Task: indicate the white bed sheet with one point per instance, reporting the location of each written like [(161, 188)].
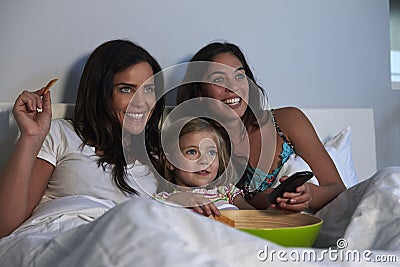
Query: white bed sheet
[(144, 232)]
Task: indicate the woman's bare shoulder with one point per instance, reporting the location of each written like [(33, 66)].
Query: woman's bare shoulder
[(288, 114), (294, 123)]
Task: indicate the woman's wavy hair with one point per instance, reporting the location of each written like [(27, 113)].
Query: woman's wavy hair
[(254, 116), (95, 121)]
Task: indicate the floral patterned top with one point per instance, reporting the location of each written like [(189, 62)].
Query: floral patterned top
[(257, 180)]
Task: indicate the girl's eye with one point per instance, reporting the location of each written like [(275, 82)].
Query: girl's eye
[(191, 152), (125, 90), (212, 152), (149, 89)]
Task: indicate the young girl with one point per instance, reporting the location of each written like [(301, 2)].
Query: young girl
[(197, 165)]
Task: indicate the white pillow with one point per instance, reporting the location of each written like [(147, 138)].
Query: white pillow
[(339, 149)]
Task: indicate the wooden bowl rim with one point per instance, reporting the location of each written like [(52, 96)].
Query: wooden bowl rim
[(275, 217)]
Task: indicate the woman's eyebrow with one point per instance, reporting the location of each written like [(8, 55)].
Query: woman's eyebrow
[(149, 85), (215, 72), (126, 84), (223, 73)]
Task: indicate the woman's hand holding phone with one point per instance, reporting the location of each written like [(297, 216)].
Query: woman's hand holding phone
[(293, 193)]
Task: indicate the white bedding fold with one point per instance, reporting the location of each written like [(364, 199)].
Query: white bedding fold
[(367, 216), (50, 219), (144, 232)]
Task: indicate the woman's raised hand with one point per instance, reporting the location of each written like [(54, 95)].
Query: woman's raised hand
[(32, 111)]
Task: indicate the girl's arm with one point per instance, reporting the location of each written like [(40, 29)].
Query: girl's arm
[(195, 201), (24, 178)]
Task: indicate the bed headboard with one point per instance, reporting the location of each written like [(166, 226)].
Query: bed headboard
[(9, 130), (327, 121)]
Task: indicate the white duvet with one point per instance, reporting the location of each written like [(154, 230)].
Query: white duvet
[(83, 231)]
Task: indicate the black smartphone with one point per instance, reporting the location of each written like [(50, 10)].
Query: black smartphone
[(289, 185)]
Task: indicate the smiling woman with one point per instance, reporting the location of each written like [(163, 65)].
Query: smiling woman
[(227, 83), (60, 158), (219, 71), (134, 96)]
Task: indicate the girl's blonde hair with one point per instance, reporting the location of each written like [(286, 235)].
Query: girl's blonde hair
[(225, 170)]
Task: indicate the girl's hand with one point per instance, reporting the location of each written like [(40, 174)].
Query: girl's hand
[(32, 111), (196, 202), (297, 201), (207, 210)]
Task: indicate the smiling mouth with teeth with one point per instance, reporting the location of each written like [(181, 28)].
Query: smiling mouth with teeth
[(136, 116), (232, 101)]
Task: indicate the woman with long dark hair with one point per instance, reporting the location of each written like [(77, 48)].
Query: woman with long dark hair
[(101, 152), (219, 71)]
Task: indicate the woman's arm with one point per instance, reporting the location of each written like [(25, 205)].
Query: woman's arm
[(24, 178), (241, 203), (259, 201), (301, 133)]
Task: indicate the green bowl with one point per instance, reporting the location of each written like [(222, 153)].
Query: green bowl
[(285, 228)]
